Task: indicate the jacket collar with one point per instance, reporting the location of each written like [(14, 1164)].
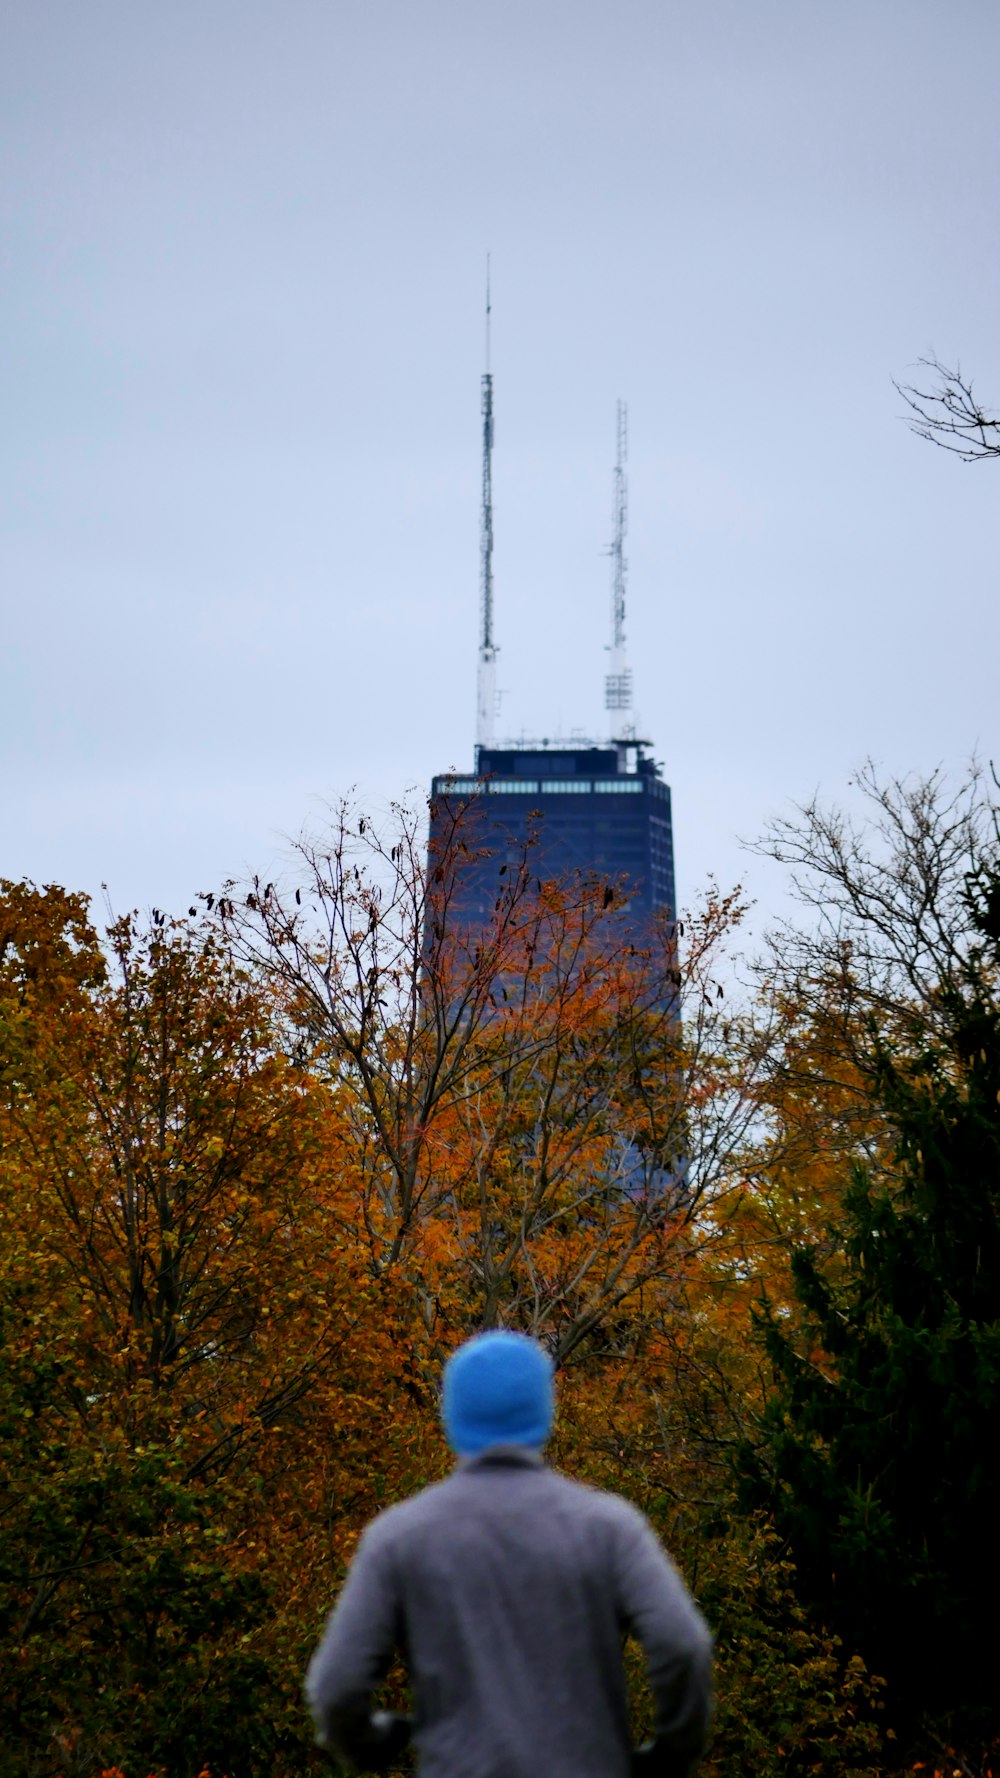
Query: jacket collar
[(504, 1457)]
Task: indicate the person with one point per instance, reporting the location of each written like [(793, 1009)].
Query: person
[(508, 1589)]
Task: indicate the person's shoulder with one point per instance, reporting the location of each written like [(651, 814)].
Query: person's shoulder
[(404, 1516), (549, 1489), (584, 1500)]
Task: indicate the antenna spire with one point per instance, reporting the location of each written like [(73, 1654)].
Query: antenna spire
[(486, 687), (618, 680)]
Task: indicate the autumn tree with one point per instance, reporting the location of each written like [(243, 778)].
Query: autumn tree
[(872, 1454), (259, 1173), (536, 1112), (549, 1124), (180, 1332)]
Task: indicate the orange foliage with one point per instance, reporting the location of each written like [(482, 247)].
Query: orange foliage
[(259, 1175)]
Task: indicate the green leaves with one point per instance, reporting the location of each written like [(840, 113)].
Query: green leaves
[(873, 1453)]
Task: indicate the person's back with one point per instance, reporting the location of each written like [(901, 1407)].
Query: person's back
[(509, 1589)]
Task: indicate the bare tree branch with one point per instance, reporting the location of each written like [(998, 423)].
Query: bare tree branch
[(948, 414)]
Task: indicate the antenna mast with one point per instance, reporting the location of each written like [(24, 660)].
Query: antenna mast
[(618, 680), (486, 686)]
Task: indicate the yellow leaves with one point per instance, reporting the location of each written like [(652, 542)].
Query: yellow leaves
[(260, 1268)]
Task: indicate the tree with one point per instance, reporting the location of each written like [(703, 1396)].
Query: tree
[(181, 1336), (948, 414), (874, 1450), (259, 1173), (535, 1113)]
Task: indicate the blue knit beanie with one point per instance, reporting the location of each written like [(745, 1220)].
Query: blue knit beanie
[(497, 1391)]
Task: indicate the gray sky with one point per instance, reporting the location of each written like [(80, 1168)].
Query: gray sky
[(243, 250)]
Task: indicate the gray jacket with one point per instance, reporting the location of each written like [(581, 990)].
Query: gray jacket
[(508, 1590)]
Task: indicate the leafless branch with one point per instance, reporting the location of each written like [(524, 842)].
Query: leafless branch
[(948, 414)]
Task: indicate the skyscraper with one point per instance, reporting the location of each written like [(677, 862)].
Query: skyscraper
[(588, 806), (582, 806)]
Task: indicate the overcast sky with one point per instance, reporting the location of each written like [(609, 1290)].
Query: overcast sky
[(243, 249)]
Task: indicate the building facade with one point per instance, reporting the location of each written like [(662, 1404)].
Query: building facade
[(583, 807)]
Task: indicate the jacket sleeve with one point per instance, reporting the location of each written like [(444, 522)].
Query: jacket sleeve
[(354, 1654), (658, 1610)]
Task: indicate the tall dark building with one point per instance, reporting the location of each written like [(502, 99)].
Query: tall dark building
[(590, 806), (586, 807)]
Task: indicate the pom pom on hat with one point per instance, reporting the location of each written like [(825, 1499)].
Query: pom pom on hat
[(497, 1391)]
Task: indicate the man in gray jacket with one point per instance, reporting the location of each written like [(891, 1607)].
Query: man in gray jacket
[(508, 1590)]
